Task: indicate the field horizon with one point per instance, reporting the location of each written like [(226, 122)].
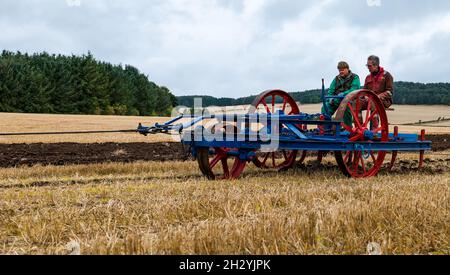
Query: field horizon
[(23, 122)]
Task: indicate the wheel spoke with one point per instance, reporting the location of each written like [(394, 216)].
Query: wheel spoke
[(373, 157), (273, 104), (347, 127), (366, 121), (347, 155), (237, 169), (226, 171), (355, 116), (377, 130), (372, 115), (265, 158), (215, 160), (284, 104), (285, 154), (265, 105), (356, 137)]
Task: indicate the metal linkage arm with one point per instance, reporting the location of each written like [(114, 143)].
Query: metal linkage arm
[(68, 133), (168, 127)]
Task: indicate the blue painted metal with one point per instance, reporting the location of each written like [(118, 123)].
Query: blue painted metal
[(369, 135), (319, 145), (324, 99), (296, 131), (292, 136)]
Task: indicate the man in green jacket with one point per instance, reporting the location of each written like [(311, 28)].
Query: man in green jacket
[(343, 84)]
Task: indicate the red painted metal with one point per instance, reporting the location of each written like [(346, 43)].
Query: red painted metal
[(394, 153), (422, 152)]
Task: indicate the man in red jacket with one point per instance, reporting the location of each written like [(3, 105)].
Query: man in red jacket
[(379, 81)]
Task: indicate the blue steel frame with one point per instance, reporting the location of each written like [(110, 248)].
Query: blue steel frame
[(292, 137)]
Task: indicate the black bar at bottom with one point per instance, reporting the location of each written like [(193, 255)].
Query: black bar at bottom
[(233, 264)]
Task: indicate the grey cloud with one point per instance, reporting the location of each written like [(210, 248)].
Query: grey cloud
[(427, 66), (235, 5), (388, 14), (235, 48), (277, 12)]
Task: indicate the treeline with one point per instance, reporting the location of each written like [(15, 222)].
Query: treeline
[(406, 93), (410, 93), (43, 83), (311, 96)]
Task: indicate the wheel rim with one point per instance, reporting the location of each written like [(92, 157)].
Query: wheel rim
[(368, 114), (266, 103)]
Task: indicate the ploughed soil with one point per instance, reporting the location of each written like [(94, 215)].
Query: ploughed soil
[(12, 155), (440, 142)]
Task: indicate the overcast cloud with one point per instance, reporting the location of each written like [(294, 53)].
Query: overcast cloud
[(236, 48)]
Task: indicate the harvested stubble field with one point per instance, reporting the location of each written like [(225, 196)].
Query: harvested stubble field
[(12, 123), (51, 195), (168, 208)]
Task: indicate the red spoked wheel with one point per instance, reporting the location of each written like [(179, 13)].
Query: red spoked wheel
[(368, 117), (216, 163), (270, 102)]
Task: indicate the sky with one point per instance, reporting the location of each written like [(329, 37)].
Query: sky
[(235, 48)]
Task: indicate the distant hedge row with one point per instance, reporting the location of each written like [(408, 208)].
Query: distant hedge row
[(43, 83)]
